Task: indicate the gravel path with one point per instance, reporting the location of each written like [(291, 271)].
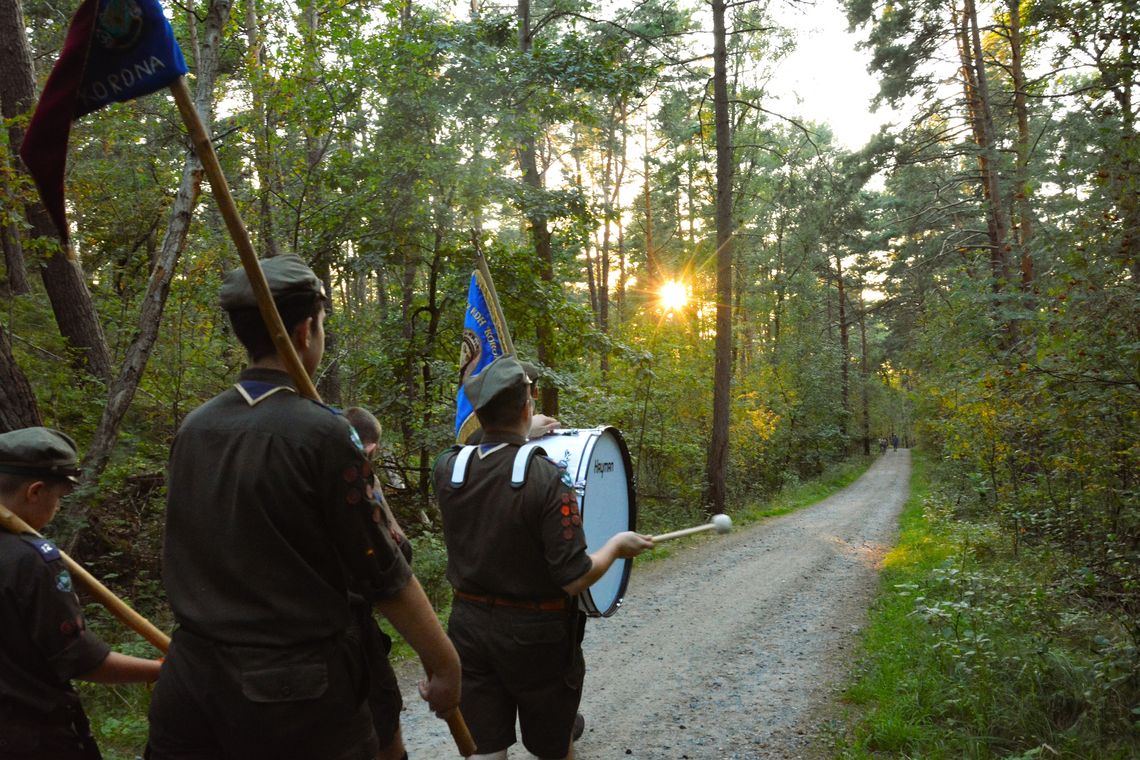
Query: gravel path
[(734, 647)]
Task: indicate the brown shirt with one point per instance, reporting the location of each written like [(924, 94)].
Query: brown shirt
[(269, 521), (522, 543), (43, 638)]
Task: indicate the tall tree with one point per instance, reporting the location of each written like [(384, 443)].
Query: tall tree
[(527, 153), (717, 463)]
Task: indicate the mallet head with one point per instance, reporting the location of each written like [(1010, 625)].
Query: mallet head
[(722, 522)]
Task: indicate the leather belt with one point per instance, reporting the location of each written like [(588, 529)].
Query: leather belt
[(560, 604)]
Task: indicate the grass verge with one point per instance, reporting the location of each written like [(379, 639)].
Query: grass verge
[(975, 650)]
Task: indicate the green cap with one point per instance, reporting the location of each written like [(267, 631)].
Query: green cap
[(38, 452), (504, 373), (286, 274)]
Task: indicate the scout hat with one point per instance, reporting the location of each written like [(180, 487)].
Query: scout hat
[(38, 452), (287, 275), (504, 373)]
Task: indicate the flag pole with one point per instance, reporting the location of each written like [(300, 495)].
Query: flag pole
[(204, 147), (12, 523), (205, 150)]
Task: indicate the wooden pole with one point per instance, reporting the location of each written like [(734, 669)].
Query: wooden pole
[(12, 523), (205, 150)]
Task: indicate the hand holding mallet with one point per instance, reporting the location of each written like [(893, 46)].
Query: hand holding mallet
[(721, 523)]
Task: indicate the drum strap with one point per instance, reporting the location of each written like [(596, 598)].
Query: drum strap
[(459, 471), (525, 453)]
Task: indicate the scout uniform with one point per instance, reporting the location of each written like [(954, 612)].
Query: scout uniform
[(44, 641), (270, 529), (509, 553)]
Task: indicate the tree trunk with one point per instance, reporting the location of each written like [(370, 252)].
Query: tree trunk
[(864, 374), (61, 273), (14, 266), (982, 118), (844, 348), (1021, 195), (17, 402), (262, 150), (717, 469), (540, 230), (12, 46)]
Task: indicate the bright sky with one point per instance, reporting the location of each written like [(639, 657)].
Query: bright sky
[(827, 74)]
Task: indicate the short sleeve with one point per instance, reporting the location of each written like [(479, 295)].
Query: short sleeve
[(376, 567), (55, 619), (563, 537)]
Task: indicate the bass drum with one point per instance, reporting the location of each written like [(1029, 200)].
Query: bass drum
[(598, 462)]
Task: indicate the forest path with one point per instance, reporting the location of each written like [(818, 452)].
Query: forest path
[(733, 647)]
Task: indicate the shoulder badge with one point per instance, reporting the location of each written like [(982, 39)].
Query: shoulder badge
[(63, 582), (46, 549)]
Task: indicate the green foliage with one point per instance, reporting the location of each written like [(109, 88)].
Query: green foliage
[(973, 651)]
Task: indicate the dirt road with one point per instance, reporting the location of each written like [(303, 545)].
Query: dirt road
[(733, 647)]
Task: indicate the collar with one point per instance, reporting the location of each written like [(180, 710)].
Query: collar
[(497, 438), (255, 384)]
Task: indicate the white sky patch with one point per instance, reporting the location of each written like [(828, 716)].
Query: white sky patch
[(827, 75)]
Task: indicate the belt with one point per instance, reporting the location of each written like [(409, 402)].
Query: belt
[(559, 604)]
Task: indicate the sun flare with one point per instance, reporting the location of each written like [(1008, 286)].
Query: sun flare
[(673, 295)]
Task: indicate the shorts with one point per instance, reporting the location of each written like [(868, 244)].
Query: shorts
[(225, 702), (520, 663)]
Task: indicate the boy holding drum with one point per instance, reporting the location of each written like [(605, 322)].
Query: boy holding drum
[(516, 559)]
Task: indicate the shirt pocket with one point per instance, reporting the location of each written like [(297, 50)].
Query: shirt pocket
[(290, 683)]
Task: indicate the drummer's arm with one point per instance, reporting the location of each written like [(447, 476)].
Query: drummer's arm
[(623, 545)]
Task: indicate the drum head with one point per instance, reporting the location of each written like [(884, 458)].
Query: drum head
[(607, 509)]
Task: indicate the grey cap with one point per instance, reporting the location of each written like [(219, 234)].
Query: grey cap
[(504, 373), (39, 452), (286, 274)]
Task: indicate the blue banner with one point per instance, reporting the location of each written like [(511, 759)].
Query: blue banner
[(481, 346), (133, 52)]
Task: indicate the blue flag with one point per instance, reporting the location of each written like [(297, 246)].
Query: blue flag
[(482, 327), (115, 50)]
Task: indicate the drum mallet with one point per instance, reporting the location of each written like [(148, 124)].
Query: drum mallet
[(721, 523)]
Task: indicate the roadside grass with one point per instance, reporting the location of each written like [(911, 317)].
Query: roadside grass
[(796, 496), (975, 651), (835, 478)]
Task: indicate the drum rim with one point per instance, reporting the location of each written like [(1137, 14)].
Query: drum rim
[(588, 598)]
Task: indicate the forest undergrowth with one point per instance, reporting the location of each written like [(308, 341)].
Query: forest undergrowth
[(980, 648)]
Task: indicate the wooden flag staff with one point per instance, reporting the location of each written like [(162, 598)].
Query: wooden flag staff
[(205, 150), (12, 523), (204, 147)]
